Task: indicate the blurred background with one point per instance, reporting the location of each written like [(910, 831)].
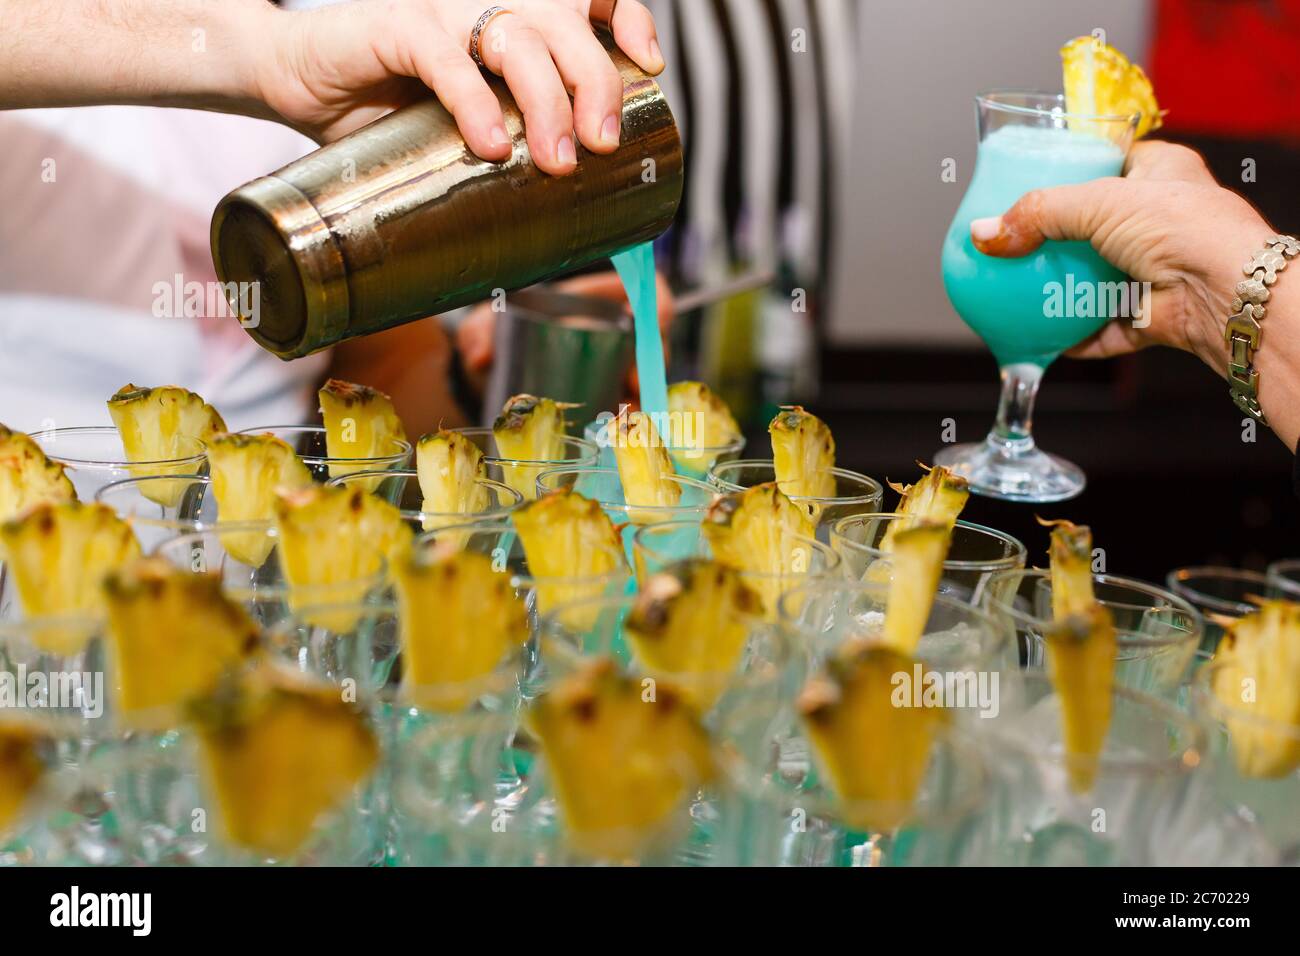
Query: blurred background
[(819, 154)]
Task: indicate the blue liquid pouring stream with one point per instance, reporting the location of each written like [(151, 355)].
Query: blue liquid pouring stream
[(636, 267)]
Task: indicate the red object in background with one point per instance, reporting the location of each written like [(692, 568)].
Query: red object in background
[(1229, 68)]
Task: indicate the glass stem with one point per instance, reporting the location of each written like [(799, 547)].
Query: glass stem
[(1012, 434)]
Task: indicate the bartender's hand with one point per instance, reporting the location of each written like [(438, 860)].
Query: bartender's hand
[(331, 70), (339, 67)]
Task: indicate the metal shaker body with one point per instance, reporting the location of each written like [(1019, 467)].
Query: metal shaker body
[(400, 220)]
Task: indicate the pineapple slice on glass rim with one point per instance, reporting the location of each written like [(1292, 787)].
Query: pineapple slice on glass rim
[(151, 420), (803, 454), (57, 555), (463, 628), (1081, 649), (691, 622), (917, 565), (623, 757), (762, 532), (280, 753), (1255, 679), (246, 472), (701, 429), (27, 476), (361, 426), (573, 550), (803, 466), (174, 635), (335, 546), (1071, 564), (644, 466), (159, 425), (874, 753), (938, 498), (1100, 81), (530, 437), (451, 471)]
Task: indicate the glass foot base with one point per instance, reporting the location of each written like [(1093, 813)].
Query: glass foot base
[(1003, 470)]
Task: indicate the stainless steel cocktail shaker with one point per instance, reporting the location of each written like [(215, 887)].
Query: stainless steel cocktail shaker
[(399, 220)]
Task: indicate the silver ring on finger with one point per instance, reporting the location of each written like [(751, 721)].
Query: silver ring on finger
[(602, 14), (476, 35)]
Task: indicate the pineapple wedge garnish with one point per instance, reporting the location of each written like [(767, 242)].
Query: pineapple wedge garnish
[(334, 541), (153, 422), (1081, 650), (529, 429), (691, 621), (643, 463), (713, 425), (874, 753), (1081, 664), (57, 555), (938, 498), (803, 452), (22, 769), (1100, 81), (459, 617), (27, 477), (450, 468), (1071, 556), (762, 532), (1258, 681), (623, 761), (279, 753), (246, 470), (361, 425), (565, 535), (174, 634), (917, 565)]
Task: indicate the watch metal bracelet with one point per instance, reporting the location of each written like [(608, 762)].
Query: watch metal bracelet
[(1243, 333)]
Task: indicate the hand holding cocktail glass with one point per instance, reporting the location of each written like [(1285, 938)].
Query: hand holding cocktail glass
[(1031, 310), (1167, 223), (1036, 258), (1051, 244)]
